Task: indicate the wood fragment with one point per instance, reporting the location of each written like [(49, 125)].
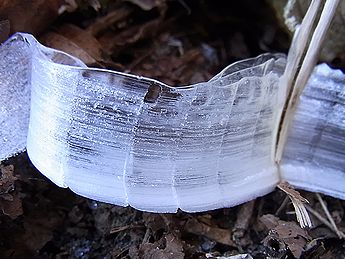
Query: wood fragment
[(108, 20), (243, 219), (119, 229), (219, 235)]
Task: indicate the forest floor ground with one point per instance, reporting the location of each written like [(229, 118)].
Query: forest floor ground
[(179, 43)]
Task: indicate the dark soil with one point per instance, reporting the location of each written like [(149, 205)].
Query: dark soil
[(177, 42)]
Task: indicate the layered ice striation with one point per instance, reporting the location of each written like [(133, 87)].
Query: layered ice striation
[(129, 140), (15, 72), (314, 157)]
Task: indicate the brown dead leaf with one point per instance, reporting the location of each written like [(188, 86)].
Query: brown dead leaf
[(57, 41), (289, 190), (290, 229), (109, 21), (12, 208), (7, 179), (29, 16), (84, 39), (171, 67), (168, 247), (10, 203), (114, 42), (81, 44), (155, 222), (120, 29), (219, 235), (296, 245), (138, 32), (288, 232)]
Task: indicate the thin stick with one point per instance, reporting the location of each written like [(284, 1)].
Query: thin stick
[(315, 45), (282, 206), (323, 220), (329, 217), (299, 45), (308, 65), (296, 52)]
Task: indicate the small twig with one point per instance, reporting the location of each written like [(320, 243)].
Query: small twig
[(329, 217), (296, 53), (119, 229), (242, 222), (295, 88), (323, 220), (282, 206), (147, 236), (106, 21), (123, 228), (123, 250)]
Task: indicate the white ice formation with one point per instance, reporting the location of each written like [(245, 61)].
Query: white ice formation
[(130, 140)]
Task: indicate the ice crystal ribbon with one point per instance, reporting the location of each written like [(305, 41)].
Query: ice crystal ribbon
[(130, 140)]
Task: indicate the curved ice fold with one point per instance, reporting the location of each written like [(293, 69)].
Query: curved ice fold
[(124, 139), (130, 140)]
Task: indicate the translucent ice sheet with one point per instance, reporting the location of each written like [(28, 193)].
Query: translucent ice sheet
[(125, 140), (15, 97), (314, 157), (130, 140)]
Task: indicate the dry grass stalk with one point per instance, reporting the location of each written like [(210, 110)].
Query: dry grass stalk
[(299, 204), (299, 67), (329, 217)]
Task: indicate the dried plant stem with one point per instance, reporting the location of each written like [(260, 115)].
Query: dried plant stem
[(324, 221), (282, 206), (300, 64), (301, 213), (299, 45), (299, 204), (329, 217), (294, 60), (296, 80)]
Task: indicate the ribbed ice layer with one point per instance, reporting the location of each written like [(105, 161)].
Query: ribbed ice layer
[(314, 157), (15, 58), (124, 139)]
